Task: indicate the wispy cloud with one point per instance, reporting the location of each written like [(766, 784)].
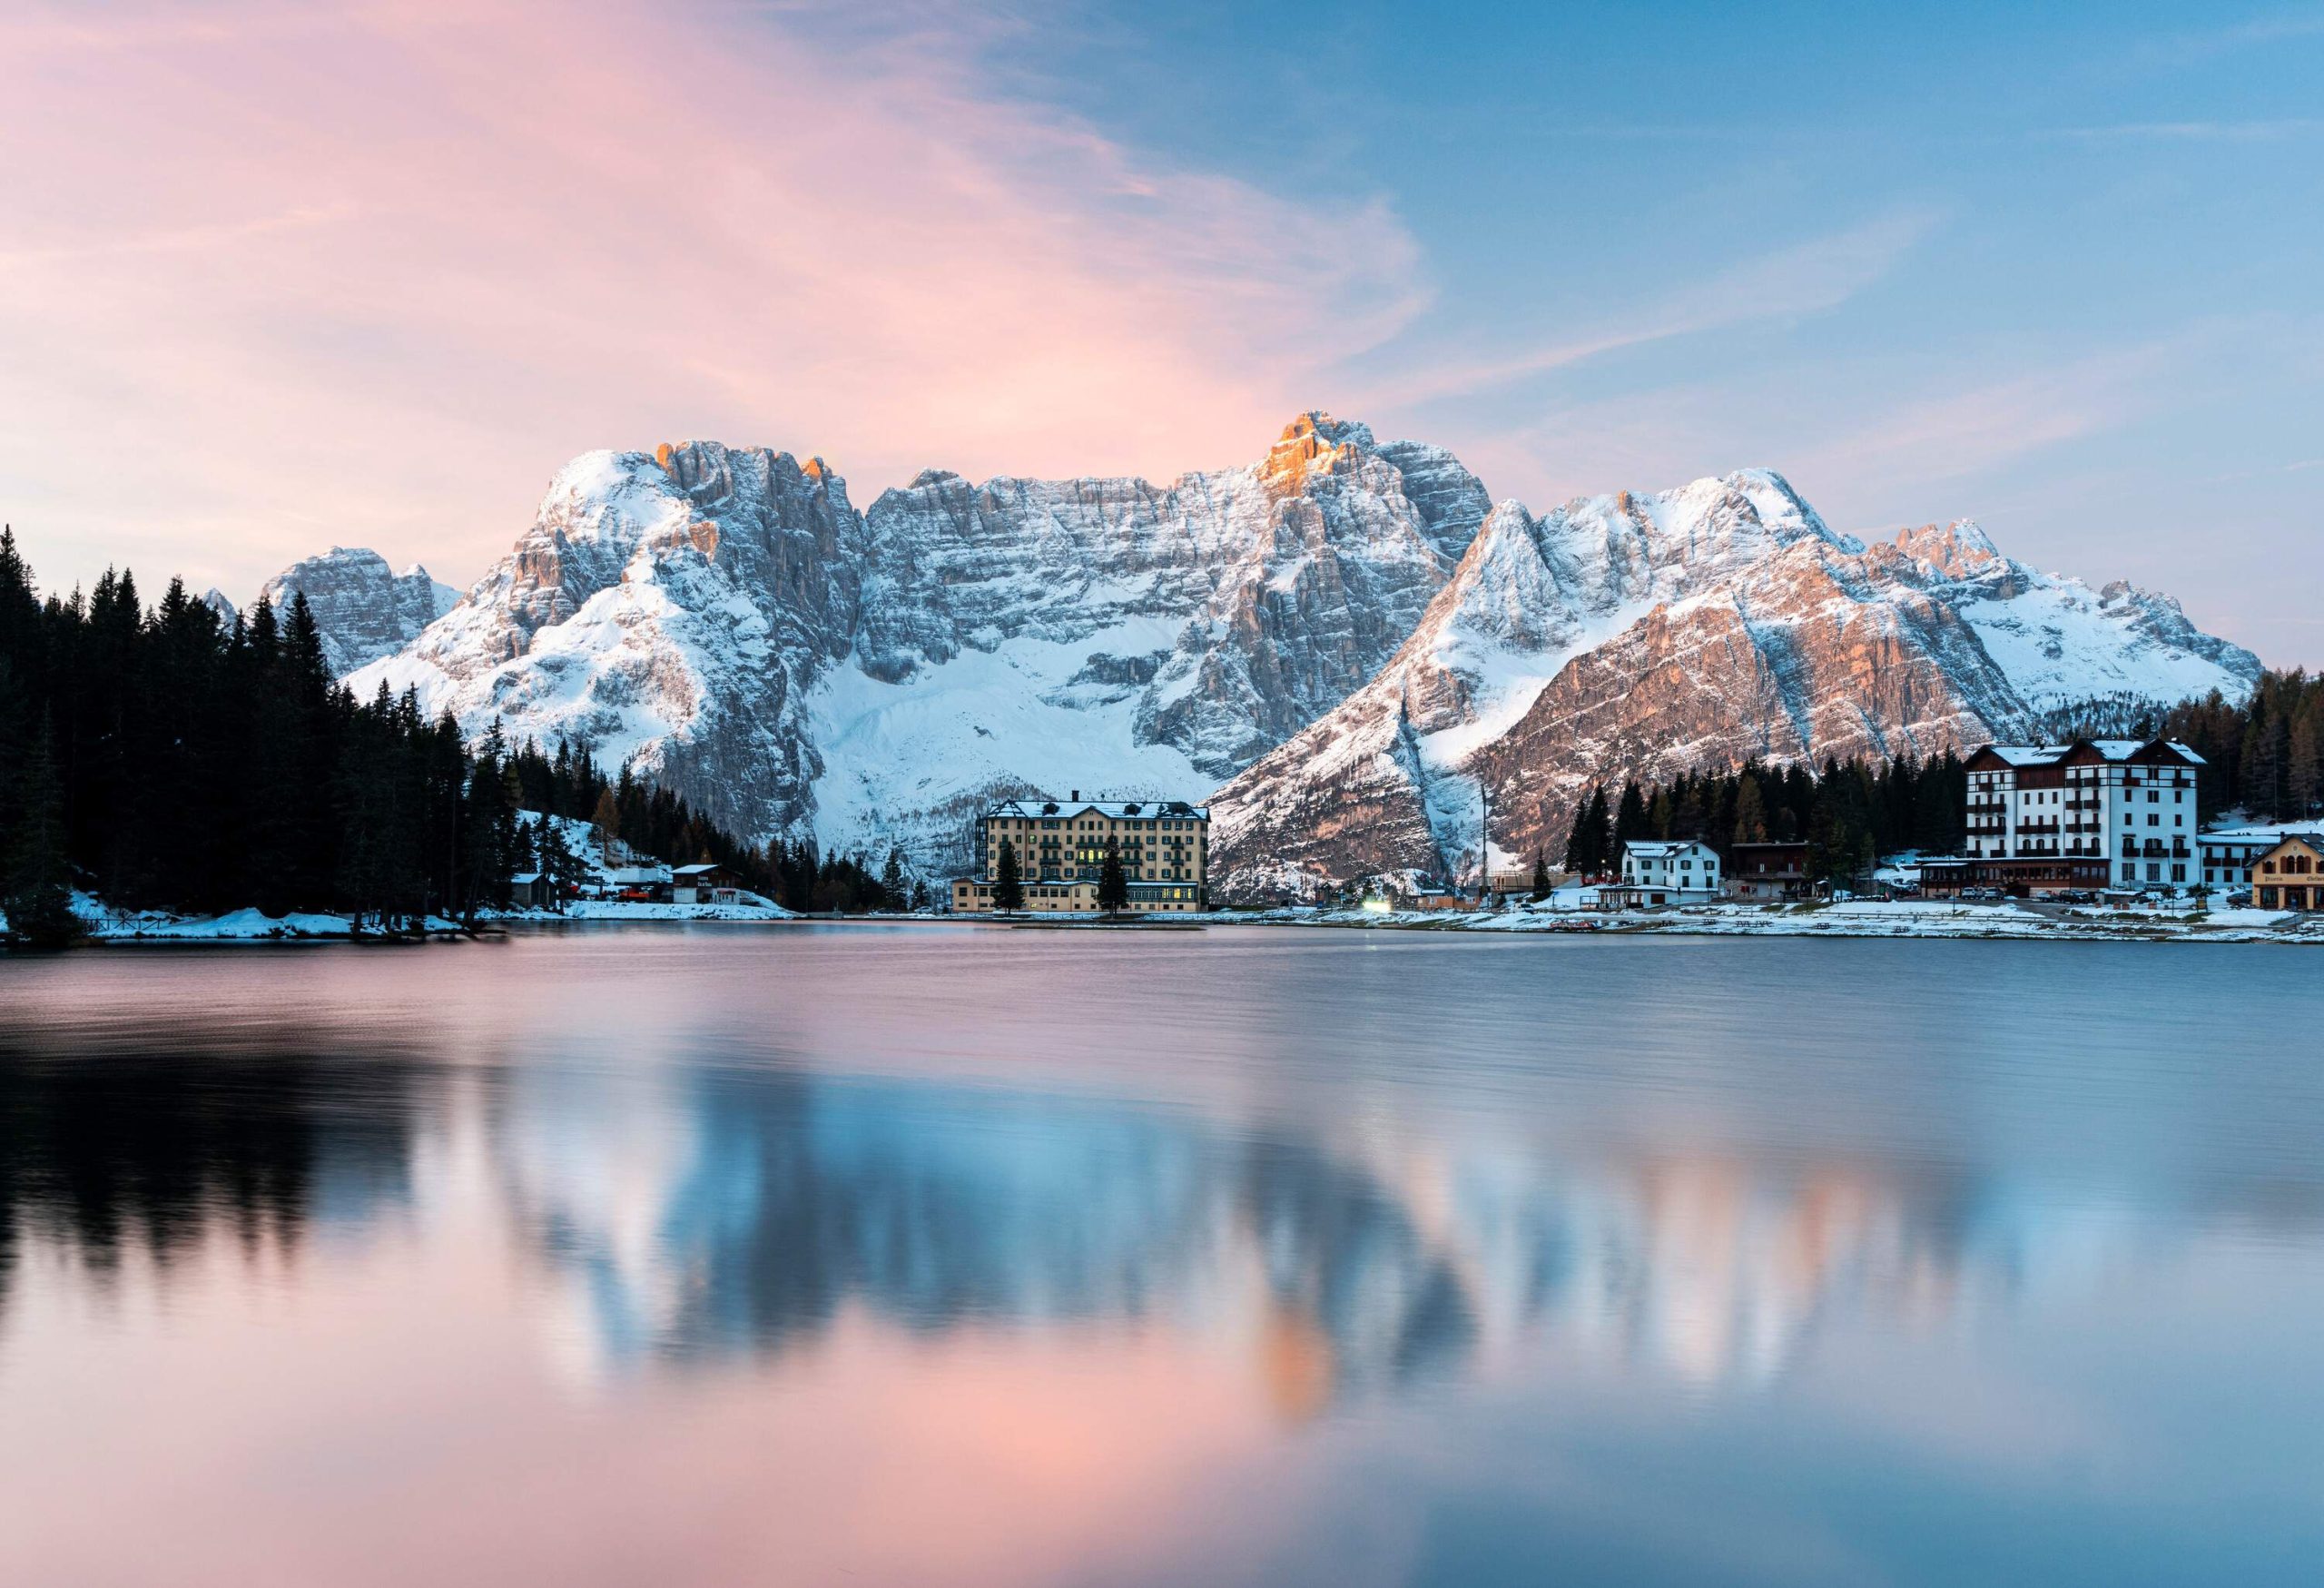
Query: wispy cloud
[(1954, 435), (1809, 278), (2197, 131), (386, 265)]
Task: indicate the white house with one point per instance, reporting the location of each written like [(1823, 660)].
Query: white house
[(1677, 871)]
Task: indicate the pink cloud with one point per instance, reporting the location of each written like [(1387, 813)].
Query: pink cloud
[(272, 277)]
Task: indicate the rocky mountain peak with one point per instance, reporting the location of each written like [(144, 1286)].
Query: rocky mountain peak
[(362, 608), (1641, 636), (1350, 631), (1316, 443), (1958, 551)]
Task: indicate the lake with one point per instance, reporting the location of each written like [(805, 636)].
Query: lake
[(929, 1255)]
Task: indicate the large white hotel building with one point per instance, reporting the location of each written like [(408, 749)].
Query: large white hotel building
[(2092, 813)]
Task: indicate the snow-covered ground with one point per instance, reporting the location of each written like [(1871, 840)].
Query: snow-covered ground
[(105, 924), (617, 909), (109, 926), (1864, 918)]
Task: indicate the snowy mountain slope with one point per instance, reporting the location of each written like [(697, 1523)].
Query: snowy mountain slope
[(1642, 636), (725, 620), (669, 610), (363, 609), (1347, 632)]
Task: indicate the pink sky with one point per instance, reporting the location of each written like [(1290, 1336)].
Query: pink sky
[(287, 276), (278, 276)]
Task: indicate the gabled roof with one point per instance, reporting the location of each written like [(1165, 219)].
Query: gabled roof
[(1658, 848), (2082, 752), (692, 870), (1117, 810)]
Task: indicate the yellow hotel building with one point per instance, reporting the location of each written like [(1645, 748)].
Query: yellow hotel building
[(1061, 848)]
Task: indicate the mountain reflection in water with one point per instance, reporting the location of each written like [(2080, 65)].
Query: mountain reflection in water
[(709, 1257), (695, 1216)]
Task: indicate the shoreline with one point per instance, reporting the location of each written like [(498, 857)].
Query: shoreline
[(1866, 919)]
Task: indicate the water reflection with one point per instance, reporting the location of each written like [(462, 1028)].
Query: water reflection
[(836, 1257), (682, 1217), (151, 1149)]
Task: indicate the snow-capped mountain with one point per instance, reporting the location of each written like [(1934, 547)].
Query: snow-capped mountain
[(1631, 635), (363, 609), (727, 621), (1346, 633)]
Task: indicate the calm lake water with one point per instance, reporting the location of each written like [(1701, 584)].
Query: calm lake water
[(942, 1255)]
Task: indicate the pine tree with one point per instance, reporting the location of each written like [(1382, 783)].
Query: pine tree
[(559, 863), (606, 818), (1750, 812), (2304, 764), (1007, 887), (1540, 877), (1113, 882), (891, 880), (36, 879), (1632, 825), (1601, 857), (1577, 841)]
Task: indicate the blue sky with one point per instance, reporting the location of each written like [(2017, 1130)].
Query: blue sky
[(2062, 271), (277, 276)]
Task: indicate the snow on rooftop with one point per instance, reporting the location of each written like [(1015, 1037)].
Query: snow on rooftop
[(1117, 809), (2111, 749)]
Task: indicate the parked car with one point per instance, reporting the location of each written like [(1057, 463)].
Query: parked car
[(2240, 900)]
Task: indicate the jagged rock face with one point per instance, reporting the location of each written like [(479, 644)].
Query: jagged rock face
[(363, 609), (1643, 636), (1348, 632), (725, 620), (669, 610), (1280, 587)]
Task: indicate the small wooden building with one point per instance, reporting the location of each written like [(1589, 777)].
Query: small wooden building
[(531, 891), (1768, 871), (703, 884)]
